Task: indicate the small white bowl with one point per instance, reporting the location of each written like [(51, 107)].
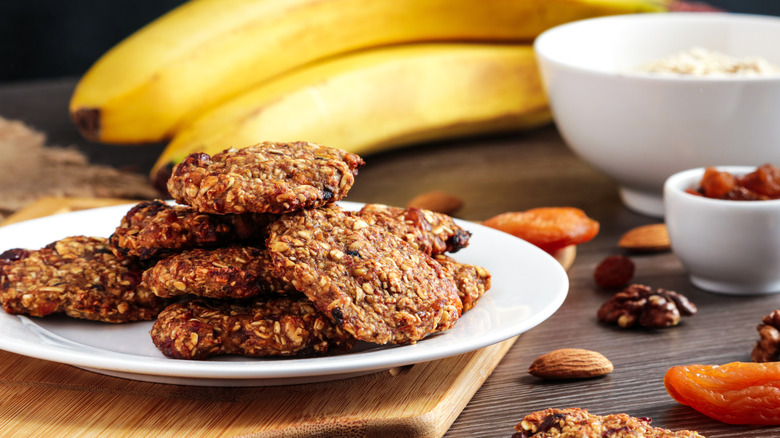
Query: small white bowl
[(731, 247), (640, 128)]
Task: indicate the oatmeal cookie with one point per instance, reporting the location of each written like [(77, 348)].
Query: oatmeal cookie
[(265, 178), (78, 276), (472, 281), (430, 232), (199, 329), (576, 423), (229, 272), (372, 283), (153, 229)]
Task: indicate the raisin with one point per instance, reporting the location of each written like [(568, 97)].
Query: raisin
[(459, 240), (550, 422), (10, 256), (614, 272), (13, 255), (337, 316)]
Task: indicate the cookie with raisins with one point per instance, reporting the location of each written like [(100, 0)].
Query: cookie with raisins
[(268, 177), (155, 229), (229, 272), (370, 282), (78, 276), (577, 422), (283, 327), (430, 232), (472, 281)]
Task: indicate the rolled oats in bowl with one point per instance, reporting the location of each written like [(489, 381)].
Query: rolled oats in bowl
[(699, 61)]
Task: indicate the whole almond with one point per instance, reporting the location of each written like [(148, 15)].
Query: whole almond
[(571, 363), (646, 238), (565, 256), (438, 201)]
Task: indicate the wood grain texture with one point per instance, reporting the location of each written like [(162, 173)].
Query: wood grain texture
[(40, 398)]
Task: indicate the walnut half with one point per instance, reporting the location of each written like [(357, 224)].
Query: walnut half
[(640, 305), (767, 349)]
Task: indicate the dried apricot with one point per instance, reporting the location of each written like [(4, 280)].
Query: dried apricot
[(717, 184), (761, 184), (765, 181), (734, 393), (549, 228)]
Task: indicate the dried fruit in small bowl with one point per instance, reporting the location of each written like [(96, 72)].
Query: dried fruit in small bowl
[(760, 185), (734, 393), (549, 228)]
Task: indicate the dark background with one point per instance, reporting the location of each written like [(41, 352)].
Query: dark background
[(58, 38)]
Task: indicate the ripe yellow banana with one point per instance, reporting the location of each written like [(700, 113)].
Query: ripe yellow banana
[(206, 51), (370, 100)]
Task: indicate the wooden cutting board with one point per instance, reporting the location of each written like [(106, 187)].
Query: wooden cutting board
[(41, 398)]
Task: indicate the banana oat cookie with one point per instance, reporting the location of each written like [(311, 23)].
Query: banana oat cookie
[(199, 329), (153, 229), (472, 281), (430, 232), (78, 276), (228, 272), (265, 178), (576, 422), (370, 282)]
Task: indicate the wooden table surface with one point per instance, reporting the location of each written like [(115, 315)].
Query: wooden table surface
[(517, 172)]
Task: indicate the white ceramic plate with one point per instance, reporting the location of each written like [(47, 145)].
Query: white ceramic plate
[(528, 286)]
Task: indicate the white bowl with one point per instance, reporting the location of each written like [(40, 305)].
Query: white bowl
[(726, 246), (640, 128)]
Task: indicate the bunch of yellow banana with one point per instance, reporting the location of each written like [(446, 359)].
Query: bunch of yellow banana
[(375, 99), (207, 72)]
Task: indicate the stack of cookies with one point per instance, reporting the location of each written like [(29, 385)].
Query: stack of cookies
[(257, 259)]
